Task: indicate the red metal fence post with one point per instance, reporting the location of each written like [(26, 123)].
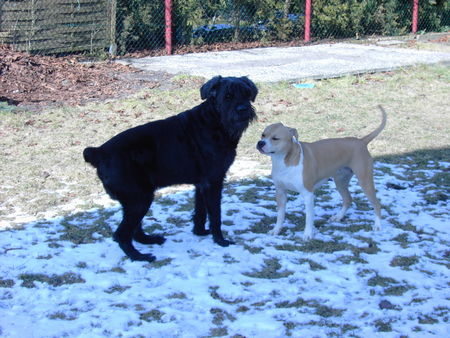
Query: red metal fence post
[(415, 16), (168, 20), (307, 20)]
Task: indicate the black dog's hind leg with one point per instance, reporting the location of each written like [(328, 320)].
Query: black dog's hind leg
[(134, 211), (140, 236), (213, 196), (200, 213)]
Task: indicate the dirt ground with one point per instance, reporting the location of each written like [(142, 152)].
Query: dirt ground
[(33, 81)]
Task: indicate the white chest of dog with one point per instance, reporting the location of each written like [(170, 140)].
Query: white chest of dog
[(288, 177), (302, 167)]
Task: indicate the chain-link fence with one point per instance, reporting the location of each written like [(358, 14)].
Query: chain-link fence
[(124, 26)]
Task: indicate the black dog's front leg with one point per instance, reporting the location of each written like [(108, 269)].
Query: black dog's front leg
[(200, 213), (213, 196)]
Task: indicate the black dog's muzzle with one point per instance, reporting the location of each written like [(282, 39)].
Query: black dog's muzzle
[(243, 108), (245, 113)]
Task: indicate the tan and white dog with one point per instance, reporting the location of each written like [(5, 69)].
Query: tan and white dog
[(302, 167)]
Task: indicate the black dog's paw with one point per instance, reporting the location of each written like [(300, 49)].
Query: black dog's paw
[(143, 257), (132, 253), (223, 242), (147, 239), (201, 232), (156, 239)]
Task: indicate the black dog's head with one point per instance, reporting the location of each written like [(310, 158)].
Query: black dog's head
[(232, 97)]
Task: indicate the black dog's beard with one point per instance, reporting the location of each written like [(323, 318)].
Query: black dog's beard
[(238, 123)]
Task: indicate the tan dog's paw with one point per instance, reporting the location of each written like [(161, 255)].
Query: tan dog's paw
[(275, 231), (377, 225), (336, 218), (339, 216), (309, 233)]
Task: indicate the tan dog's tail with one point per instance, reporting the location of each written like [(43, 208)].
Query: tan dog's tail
[(366, 139)]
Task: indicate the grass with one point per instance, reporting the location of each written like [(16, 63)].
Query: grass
[(29, 279), (42, 152), (44, 174), (152, 315), (301, 284), (270, 270), (404, 262)]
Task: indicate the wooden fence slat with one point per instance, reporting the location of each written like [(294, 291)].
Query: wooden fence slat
[(48, 33), (45, 25), (53, 26), (47, 48), (55, 4), (59, 38), (50, 41), (49, 12), (97, 18), (60, 42)]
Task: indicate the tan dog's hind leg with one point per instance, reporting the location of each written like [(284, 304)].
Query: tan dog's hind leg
[(364, 174), (342, 179), (281, 197)]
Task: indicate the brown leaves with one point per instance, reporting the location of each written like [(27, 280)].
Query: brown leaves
[(40, 80)]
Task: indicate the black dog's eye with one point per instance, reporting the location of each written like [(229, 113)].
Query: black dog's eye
[(228, 96)]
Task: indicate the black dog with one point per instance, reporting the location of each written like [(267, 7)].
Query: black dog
[(194, 147)]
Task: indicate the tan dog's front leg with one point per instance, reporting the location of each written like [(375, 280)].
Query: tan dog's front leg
[(309, 211), (281, 197)]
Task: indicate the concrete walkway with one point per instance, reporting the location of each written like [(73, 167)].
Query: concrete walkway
[(291, 63)]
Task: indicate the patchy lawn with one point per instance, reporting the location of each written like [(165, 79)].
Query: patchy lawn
[(42, 152), (61, 272), (65, 275)]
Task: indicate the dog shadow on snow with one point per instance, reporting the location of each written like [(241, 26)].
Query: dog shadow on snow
[(249, 207)]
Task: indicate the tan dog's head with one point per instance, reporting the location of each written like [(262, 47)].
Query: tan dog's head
[(277, 139)]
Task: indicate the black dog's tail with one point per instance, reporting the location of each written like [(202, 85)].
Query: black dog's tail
[(92, 155)]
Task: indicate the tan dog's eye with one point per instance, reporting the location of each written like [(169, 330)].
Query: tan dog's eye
[(263, 136), (275, 138)]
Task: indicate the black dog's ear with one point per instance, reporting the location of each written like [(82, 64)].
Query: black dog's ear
[(209, 89), (251, 86)]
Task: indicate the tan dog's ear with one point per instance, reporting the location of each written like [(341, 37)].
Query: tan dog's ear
[(294, 133)]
